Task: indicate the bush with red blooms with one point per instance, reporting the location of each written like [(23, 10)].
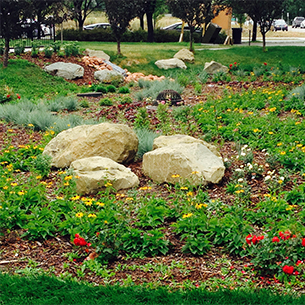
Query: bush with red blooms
[(233, 67), (79, 241), (281, 254)]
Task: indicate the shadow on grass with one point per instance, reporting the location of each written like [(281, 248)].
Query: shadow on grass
[(50, 290)]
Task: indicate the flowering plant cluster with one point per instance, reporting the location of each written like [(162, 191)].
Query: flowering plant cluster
[(80, 241), (234, 67), (278, 254)]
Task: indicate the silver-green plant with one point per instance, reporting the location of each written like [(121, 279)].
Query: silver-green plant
[(298, 92), (146, 140), (152, 89)]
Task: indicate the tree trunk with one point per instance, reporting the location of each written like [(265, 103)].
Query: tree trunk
[(150, 28), (264, 41), (142, 21), (6, 51), (254, 31), (80, 24), (191, 40), (119, 47)]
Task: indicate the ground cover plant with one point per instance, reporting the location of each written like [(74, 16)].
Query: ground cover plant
[(246, 232)]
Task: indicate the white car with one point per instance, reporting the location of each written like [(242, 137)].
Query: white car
[(302, 25), (97, 26)]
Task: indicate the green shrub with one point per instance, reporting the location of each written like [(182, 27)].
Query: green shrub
[(19, 48), (84, 103), (48, 52), (124, 90), (126, 100), (111, 88), (106, 102)]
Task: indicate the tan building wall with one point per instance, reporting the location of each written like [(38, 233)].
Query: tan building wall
[(224, 20)]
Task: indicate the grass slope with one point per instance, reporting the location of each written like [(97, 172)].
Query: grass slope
[(30, 81)]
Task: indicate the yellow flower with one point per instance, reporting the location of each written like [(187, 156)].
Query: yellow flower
[(299, 145), (38, 177), (1, 207), (79, 215), (108, 184), (187, 215), (270, 132), (283, 153), (175, 176), (61, 173), (89, 203), (195, 172), (297, 123), (279, 144), (21, 193), (66, 184), (5, 187), (129, 199), (183, 188), (30, 125), (10, 130), (92, 215), (68, 177), (256, 130), (59, 197), (190, 194), (75, 197), (105, 222), (14, 184), (101, 204), (280, 181)]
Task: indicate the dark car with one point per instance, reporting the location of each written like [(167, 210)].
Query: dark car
[(178, 26), (95, 26), (297, 21), (279, 25)]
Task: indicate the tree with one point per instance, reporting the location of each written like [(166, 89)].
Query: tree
[(80, 9), (11, 12), (262, 12), (194, 13), (119, 13)]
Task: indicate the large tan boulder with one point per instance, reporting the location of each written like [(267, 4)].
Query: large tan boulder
[(115, 141), (66, 70), (215, 67), (182, 139), (185, 55), (170, 63), (98, 54), (183, 162), (95, 172)]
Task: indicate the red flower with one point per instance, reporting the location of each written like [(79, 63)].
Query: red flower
[(230, 66), (97, 233), (76, 235), (296, 272), (235, 63), (303, 242), (248, 239), (275, 239), (79, 241), (260, 237), (18, 96), (299, 262), (90, 83), (265, 63), (8, 95), (255, 240), (288, 269)]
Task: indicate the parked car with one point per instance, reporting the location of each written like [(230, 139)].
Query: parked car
[(302, 25), (97, 26), (297, 21), (279, 24), (178, 26)]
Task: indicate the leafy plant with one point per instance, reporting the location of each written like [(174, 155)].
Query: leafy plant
[(146, 140), (124, 90), (106, 102)]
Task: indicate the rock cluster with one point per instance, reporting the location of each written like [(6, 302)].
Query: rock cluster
[(95, 151)]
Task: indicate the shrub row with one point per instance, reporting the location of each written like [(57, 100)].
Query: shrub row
[(136, 36)]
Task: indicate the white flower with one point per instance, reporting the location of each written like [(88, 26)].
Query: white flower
[(242, 154), (264, 150), (240, 180), (250, 166), (267, 178), (226, 159), (282, 178), (239, 170)]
